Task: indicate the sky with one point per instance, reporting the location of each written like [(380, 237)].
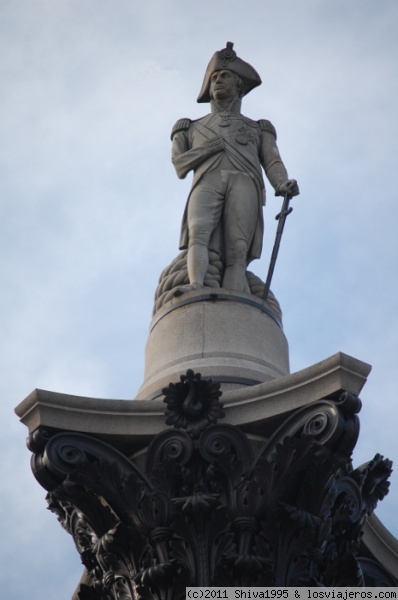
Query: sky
[(91, 209)]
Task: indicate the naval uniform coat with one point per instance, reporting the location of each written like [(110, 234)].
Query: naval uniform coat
[(247, 146)]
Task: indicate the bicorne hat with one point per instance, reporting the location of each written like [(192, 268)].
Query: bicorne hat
[(227, 59)]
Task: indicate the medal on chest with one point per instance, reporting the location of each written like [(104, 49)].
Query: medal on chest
[(225, 121), (242, 136)]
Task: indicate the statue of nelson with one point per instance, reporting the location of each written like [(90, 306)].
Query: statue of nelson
[(226, 151)]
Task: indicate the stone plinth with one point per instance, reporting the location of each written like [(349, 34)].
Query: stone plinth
[(234, 338)]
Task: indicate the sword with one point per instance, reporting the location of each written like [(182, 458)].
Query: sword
[(281, 218)]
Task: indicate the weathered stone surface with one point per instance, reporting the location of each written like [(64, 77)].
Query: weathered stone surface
[(232, 337), (176, 274), (124, 420)]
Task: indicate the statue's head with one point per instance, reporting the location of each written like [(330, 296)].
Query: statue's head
[(225, 84), (225, 61)]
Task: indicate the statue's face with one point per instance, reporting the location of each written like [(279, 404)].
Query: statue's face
[(223, 85)]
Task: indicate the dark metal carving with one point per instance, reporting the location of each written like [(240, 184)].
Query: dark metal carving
[(209, 509), (193, 403)]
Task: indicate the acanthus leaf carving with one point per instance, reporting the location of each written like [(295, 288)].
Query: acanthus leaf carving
[(208, 510)]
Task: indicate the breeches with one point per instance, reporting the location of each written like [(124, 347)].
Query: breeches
[(230, 199)]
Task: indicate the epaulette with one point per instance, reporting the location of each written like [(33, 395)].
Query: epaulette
[(250, 122), (181, 125), (267, 126)]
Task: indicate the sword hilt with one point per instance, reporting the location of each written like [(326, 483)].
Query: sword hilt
[(284, 213)]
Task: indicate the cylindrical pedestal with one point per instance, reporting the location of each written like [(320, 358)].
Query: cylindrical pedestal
[(232, 337)]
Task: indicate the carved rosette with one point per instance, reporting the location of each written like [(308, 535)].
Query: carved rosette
[(193, 403), (210, 510)]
